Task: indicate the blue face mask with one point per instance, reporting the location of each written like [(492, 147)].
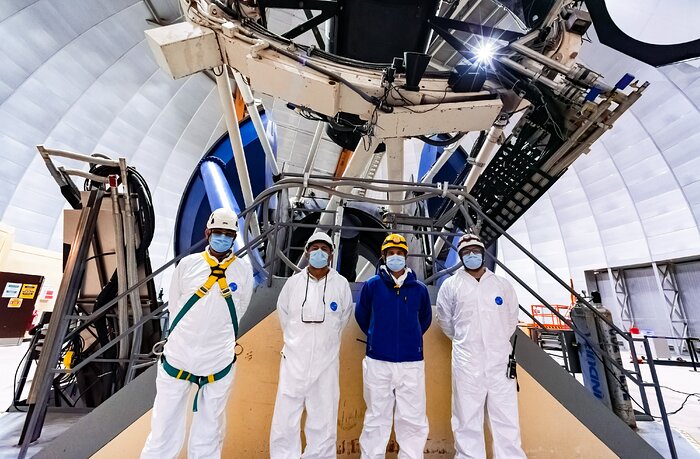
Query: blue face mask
[(396, 262), (473, 260), (220, 243), (318, 259)]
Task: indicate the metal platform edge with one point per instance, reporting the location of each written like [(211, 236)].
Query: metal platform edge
[(104, 423)]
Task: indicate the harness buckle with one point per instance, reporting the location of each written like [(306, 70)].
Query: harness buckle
[(218, 272), (226, 292), (203, 290)]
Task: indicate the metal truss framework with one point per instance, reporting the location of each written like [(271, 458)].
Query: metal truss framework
[(619, 284), (665, 274)]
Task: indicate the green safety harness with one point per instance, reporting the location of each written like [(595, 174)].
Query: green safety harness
[(217, 276)]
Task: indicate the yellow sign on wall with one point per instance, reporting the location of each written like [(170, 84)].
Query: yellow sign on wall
[(14, 303), (28, 291)]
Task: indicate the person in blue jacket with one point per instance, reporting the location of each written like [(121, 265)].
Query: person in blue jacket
[(394, 311)]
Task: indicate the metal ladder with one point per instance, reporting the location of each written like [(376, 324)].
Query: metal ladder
[(371, 170)]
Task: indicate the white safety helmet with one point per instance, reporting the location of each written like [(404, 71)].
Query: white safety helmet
[(223, 219), (469, 240), (322, 237)]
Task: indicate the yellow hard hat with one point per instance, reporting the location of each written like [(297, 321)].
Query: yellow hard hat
[(395, 240)]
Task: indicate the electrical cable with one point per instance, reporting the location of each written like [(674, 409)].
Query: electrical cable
[(145, 228), (85, 391), (688, 395), (14, 380), (622, 387), (100, 255), (313, 50), (697, 394), (408, 102), (442, 143), (521, 25), (671, 413)]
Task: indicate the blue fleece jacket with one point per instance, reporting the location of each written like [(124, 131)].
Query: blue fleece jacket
[(394, 319)]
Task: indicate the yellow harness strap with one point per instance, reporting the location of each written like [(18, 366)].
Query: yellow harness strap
[(217, 276)]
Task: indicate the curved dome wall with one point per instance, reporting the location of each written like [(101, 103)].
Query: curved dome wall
[(79, 75)]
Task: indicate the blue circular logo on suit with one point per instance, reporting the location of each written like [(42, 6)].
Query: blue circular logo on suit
[(499, 300), (233, 286), (334, 306)]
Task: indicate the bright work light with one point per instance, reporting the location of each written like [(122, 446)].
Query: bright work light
[(484, 53)]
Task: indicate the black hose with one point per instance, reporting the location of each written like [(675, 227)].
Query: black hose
[(226, 9), (477, 145), (145, 222), (72, 195), (442, 143), (146, 214)]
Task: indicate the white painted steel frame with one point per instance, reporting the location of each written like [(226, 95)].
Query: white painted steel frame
[(271, 72)]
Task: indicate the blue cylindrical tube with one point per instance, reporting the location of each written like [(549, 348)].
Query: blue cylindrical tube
[(219, 195), (219, 192)]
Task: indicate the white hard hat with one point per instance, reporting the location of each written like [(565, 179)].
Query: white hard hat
[(320, 236), (223, 219), (469, 240)]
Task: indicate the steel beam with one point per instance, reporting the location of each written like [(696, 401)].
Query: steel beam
[(67, 294), (394, 168), (223, 83), (665, 275), (617, 278), (257, 122)]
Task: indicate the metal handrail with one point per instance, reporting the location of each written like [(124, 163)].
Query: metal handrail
[(463, 202)]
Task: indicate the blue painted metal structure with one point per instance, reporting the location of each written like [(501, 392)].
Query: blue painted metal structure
[(448, 173), (215, 183)]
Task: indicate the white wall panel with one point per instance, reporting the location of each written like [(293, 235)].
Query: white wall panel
[(688, 278), (648, 308)]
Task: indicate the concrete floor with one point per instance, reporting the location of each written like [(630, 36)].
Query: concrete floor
[(685, 423), (11, 427), (11, 422), (10, 357)]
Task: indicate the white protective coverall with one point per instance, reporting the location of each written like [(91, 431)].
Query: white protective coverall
[(203, 343), (480, 317), (310, 364)]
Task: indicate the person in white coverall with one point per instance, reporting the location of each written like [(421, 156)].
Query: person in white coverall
[(209, 292), (313, 308), (478, 311)]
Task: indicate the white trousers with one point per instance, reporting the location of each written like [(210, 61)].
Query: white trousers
[(169, 418), (499, 394), (320, 398), (394, 390)]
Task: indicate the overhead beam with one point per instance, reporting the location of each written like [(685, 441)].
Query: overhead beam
[(327, 88)]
